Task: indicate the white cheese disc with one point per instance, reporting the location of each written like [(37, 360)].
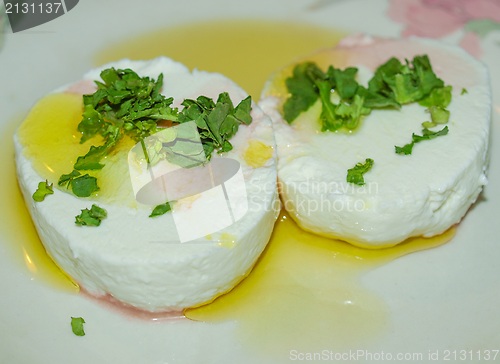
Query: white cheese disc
[(138, 260), (422, 194)]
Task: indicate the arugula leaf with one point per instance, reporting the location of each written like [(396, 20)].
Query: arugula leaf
[(161, 209), (426, 135), (92, 217), (43, 189), (355, 174), (77, 326)]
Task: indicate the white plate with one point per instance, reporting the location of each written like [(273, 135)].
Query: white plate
[(444, 303)]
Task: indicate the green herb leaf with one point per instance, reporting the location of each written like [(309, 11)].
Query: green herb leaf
[(303, 90), (126, 103), (123, 104), (329, 118), (373, 100), (405, 83), (440, 96), (77, 326), (392, 85), (217, 122), (439, 115), (81, 185), (404, 150), (464, 91), (344, 81), (84, 185), (92, 217), (355, 174), (66, 179), (426, 135), (429, 134), (43, 189), (161, 209), (242, 111), (92, 158)]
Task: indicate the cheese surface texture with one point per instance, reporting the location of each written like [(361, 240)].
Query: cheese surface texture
[(422, 194), (139, 260)]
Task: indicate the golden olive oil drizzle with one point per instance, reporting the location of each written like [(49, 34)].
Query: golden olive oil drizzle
[(305, 293), (18, 229)]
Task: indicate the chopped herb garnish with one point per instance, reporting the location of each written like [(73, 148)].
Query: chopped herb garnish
[(355, 174), (217, 122), (161, 209), (309, 83), (77, 326), (464, 91), (426, 135), (92, 217), (81, 185), (43, 189), (405, 83), (392, 85), (127, 104)]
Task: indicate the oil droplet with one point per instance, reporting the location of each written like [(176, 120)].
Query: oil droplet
[(304, 283), (227, 241), (18, 230)]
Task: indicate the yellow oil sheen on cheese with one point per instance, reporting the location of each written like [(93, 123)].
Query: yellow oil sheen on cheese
[(305, 292), (52, 142), (257, 153)]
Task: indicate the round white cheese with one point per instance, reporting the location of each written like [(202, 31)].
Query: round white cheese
[(422, 194), (141, 261)]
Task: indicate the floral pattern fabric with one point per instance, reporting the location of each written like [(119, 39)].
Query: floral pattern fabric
[(471, 19)]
